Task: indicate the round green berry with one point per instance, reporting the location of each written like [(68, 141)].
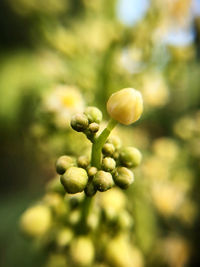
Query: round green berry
[(63, 163), (130, 157), (74, 180), (93, 114), (123, 177), (108, 164), (79, 122), (103, 181)]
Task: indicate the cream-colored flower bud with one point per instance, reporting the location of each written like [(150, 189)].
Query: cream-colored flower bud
[(36, 220), (125, 106), (82, 251)]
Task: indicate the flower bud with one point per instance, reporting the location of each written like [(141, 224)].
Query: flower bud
[(83, 162), (108, 149), (115, 140), (123, 177), (125, 106), (82, 251), (108, 164), (79, 122), (94, 127), (130, 157), (36, 220), (63, 163), (74, 180), (103, 181), (64, 237), (93, 114), (92, 171)]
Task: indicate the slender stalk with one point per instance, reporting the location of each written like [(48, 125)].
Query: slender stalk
[(95, 162), (99, 142)]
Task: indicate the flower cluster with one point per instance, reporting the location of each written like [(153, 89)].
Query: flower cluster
[(111, 163), (79, 230)]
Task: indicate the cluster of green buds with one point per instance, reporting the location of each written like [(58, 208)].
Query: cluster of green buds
[(110, 163), (74, 228)]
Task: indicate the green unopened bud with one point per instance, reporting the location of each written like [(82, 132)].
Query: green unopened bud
[(125, 106), (125, 220), (108, 164), (83, 161), (123, 177), (82, 251), (103, 181), (79, 122), (93, 114), (74, 180), (64, 237), (115, 140), (115, 155), (94, 127), (90, 189), (63, 163), (130, 157), (108, 149), (36, 220), (92, 171)]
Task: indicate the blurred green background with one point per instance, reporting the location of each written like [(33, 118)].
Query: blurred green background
[(57, 56)]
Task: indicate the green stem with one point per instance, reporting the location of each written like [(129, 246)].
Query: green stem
[(99, 142), (95, 162)]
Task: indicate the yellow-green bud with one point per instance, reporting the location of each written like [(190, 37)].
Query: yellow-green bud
[(82, 251), (103, 181), (74, 180), (115, 155), (115, 140), (92, 171), (83, 161), (63, 163), (123, 177), (108, 149), (36, 220), (108, 164), (125, 220), (79, 122), (93, 114), (130, 157), (125, 106), (94, 127), (64, 237)]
